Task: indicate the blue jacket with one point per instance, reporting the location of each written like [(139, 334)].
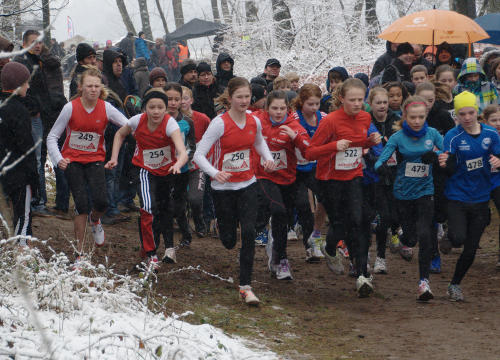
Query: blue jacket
[(141, 49)]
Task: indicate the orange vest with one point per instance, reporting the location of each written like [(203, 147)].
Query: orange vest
[(183, 53)]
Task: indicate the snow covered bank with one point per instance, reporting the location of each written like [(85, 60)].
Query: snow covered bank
[(48, 311)]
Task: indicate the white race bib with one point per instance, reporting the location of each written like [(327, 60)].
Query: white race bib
[(392, 160), (279, 158), (474, 164), (84, 141), (157, 158), (236, 161), (416, 170), (348, 159)]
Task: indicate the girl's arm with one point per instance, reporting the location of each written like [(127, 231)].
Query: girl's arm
[(214, 132), (320, 143), (54, 135), (120, 136), (182, 156), (115, 116), (389, 149), (262, 149)]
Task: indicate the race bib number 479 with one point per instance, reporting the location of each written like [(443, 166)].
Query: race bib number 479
[(416, 170), (84, 141), (236, 161), (348, 159)]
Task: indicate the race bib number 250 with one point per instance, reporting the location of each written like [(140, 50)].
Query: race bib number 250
[(236, 161)]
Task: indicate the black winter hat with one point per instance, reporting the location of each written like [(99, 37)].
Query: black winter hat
[(185, 68), (203, 67), (83, 50), (259, 81), (390, 74), (363, 77), (272, 61), (154, 93), (404, 48), (14, 74), (258, 92)]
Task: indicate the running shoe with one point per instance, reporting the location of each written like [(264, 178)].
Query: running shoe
[(424, 291), (435, 265), (455, 293), (271, 255), (247, 295), (395, 244), (445, 245), (440, 231), (379, 267), (153, 264), (406, 252), (169, 256), (185, 242), (292, 235), (334, 263), (284, 272), (298, 230), (315, 241), (262, 238), (352, 270), (364, 286), (342, 247), (310, 257), (98, 233)]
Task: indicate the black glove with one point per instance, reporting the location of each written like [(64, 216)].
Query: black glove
[(399, 156), (430, 157), (384, 170)]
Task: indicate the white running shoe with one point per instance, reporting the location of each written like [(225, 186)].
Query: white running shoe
[(283, 270), (98, 233), (292, 235), (424, 291), (248, 296), (364, 286), (315, 242), (379, 266), (440, 231), (310, 257), (334, 263), (298, 230), (170, 257)]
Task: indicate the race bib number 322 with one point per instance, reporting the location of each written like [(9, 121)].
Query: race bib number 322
[(236, 161), (84, 141)]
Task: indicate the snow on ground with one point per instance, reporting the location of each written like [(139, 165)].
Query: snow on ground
[(49, 311)]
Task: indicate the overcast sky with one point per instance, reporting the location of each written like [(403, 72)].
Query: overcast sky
[(100, 20)]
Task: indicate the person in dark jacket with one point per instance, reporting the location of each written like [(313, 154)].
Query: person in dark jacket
[(113, 65), (271, 72), (141, 75), (205, 91), (189, 74), (5, 46), (336, 76), (384, 59), (141, 47), (446, 55), (224, 67), (418, 59), (20, 182), (404, 60), (128, 47), (43, 103), (85, 55)]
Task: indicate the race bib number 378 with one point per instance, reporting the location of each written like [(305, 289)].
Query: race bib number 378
[(84, 141), (236, 161)]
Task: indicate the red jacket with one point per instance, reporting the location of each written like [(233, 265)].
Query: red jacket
[(334, 165), (282, 148)]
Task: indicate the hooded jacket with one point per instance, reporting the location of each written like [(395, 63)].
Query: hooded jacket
[(222, 77), (383, 60), (73, 86), (203, 98), (484, 62), (326, 100), (404, 70), (486, 93), (141, 75), (114, 83)]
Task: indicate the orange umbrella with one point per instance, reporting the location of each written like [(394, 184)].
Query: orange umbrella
[(431, 27)]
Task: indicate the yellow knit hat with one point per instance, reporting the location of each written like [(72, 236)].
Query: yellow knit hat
[(465, 99)]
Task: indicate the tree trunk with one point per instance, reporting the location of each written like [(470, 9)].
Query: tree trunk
[(146, 26), (372, 20), (178, 13), (125, 17), (465, 7), (215, 11), (354, 25), (225, 12), (162, 16), (251, 11), (284, 29), (46, 22)]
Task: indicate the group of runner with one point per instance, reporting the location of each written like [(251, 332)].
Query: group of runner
[(374, 164)]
